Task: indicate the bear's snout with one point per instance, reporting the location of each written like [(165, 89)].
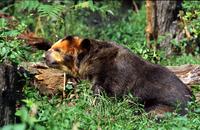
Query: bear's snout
[(50, 61)]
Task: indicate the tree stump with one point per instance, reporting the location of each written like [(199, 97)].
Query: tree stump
[(8, 87)]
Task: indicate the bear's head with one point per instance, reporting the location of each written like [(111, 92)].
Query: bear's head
[(66, 53)]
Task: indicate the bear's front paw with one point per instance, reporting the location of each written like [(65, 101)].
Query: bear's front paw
[(97, 89)]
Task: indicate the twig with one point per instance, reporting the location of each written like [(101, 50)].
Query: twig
[(64, 84), (187, 33), (135, 7)]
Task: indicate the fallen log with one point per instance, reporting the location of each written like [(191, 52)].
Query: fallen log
[(50, 81), (47, 80), (188, 74)]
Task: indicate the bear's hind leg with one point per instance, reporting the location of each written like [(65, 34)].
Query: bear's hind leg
[(158, 110)]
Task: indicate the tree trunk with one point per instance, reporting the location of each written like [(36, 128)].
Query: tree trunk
[(162, 16), (8, 83), (149, 28)]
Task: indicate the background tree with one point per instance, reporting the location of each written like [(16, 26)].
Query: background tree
[(162, 20)]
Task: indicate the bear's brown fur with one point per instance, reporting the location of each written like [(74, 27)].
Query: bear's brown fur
[(117, 71)]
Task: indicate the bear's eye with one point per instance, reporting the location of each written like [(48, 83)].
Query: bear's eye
[(57, 49), (68, 58)]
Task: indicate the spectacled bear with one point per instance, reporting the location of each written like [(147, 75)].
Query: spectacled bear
[(117, 71)]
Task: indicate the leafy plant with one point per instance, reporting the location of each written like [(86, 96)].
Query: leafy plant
[(27, 115), (11, 48), (190, 18), (43, 10)]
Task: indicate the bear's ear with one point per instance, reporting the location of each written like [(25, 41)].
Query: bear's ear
[(69, 38), (85, 44)]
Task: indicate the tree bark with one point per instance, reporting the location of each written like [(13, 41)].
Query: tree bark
[(149, 28), (166, 21), (8, 83), (162, 17)]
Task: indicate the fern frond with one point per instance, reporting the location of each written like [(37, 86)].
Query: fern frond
[(29, 5), (44, 10), (50, 10)]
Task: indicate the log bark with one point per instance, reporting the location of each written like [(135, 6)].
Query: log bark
[(8, 84), (47, 80), (188, 74)]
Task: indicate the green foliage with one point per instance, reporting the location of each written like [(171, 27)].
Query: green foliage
[(181, 60), (84, 113), (192, 17), (14, 127), (190, 23), (63, 18), (11, 48), (88, 112), (70, 19), (43, 10), (27, 117)]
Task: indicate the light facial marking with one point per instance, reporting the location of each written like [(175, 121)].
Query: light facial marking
[(57, 56), (63, 45)]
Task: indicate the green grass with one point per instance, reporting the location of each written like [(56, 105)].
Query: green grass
[(181, 60), (56, 114)]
